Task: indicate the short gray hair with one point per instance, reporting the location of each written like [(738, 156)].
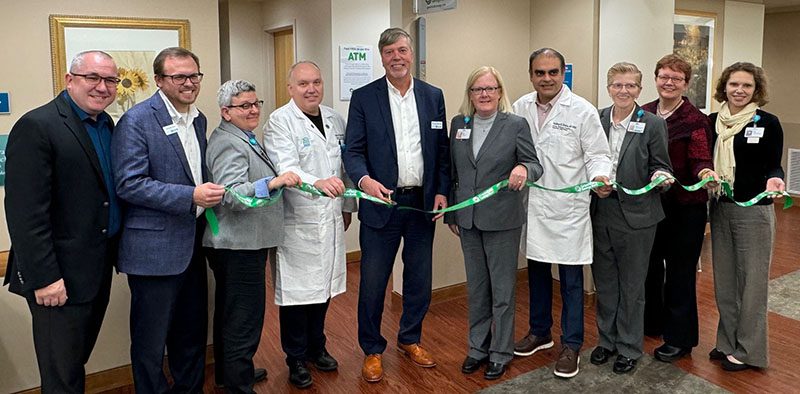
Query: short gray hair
[(391, 35), (78, 60), (231, 89)]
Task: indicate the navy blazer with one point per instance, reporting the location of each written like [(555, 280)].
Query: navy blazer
[(370, 147), (155, 183)]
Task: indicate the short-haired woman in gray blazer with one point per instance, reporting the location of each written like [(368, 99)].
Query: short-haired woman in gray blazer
[(238, 254), (487, 145), (624, 226)]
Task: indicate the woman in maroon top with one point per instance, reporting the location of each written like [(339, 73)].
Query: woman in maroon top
[(671, 304)]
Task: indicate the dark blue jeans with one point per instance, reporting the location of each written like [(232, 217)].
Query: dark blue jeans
[(540, 281), (378, 249)]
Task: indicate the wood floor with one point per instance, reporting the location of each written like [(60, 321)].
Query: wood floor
[(445, 333)]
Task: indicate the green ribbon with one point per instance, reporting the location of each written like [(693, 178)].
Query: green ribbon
[(254, 202)]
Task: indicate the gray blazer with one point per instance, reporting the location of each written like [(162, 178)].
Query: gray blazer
[(640, 156), (508, 143), (236, 162)]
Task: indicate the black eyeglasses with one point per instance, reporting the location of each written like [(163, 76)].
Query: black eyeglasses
[(95, 79), (488, 90), (180, 79), (247, 106)]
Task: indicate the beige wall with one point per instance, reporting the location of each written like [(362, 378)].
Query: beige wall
[(571, 27), (744, 33), (27, 76), (643, 38), (781, 59)]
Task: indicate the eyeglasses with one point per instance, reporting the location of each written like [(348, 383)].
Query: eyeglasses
[(488, 90), (246, 106), (665, 78), (95, 79), (627, 86), (180, 79)]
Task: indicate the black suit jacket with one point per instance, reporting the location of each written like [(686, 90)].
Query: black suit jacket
[(56, 205)]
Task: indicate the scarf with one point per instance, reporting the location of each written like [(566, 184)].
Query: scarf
[(727, 126)]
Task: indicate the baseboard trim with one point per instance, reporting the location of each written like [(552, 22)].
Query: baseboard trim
[(353, 257), (448, 293), (114, 378)]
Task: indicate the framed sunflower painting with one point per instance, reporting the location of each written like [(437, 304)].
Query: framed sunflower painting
[(132, 42)]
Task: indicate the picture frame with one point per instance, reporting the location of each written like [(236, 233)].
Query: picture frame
[(693, 40), (132, 42)]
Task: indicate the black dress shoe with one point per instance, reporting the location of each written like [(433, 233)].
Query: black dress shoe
[(471, 365), (669, 353), (299, 375), (494, 371), (716, 355), (733, 367), (600, 355), (623, 364), (325, 362)]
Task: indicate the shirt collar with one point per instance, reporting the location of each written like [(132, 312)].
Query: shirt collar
[(396, 91), (103, 117), (624, 121), (550, 103), (174, 114)]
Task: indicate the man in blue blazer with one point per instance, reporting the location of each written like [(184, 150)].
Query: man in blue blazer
[(158, 152), (396, 149)]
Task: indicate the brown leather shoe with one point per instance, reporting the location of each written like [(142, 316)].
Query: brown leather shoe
[(417, 354), (372, 371)]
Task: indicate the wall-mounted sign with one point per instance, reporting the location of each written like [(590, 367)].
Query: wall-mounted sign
[(428, 6), (355, 69), (5, 103), (568, 75)]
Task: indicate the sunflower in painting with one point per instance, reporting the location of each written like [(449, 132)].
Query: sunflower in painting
[(131, 80)]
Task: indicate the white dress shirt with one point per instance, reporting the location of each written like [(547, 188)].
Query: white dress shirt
[(188, 137), (407, 136), (616, 134)]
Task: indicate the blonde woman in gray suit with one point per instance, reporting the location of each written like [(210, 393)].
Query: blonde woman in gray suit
[(238, 254), (487, 145)]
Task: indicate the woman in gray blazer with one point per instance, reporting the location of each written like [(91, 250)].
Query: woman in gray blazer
[(624, 226), (238, 253), (487, 145)]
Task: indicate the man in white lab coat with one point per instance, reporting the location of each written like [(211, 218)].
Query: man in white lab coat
[(572, 149), (306, 138)]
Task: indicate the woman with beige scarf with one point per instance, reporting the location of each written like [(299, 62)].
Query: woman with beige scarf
[(747, 155)]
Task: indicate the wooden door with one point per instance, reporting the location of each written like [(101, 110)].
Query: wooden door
[(284, 58)]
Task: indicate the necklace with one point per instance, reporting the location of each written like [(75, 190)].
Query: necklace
[(665, 115)]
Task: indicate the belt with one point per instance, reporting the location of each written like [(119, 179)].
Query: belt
[(408, 190)]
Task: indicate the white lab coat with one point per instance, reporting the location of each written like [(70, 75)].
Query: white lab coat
[(310, 264), (572, 148)]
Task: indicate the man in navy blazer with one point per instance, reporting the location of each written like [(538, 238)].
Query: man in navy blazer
[(158, 152), (396, 149)]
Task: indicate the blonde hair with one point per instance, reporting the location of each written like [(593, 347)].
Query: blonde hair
[(467, 109), (624, 68)]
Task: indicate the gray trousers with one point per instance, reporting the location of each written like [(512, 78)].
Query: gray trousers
[(490, 258), (741, 245), (621, 259)]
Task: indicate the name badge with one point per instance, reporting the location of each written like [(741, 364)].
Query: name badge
[(753, 140), (756, 132), (463, 134), (636, 127), (171, 129), (437, 124)]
